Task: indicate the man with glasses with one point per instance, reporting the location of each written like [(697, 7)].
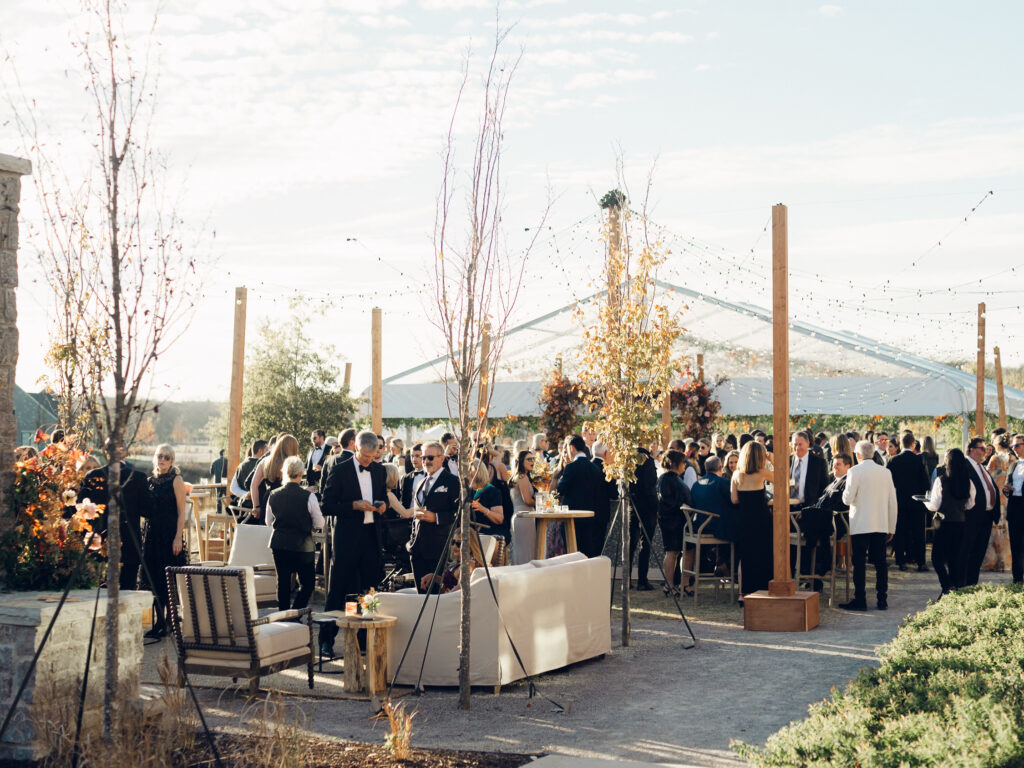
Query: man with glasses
[(1014, 491), (982, 516), (435, 507)]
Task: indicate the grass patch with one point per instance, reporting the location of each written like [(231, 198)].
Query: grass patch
[(949, 692)]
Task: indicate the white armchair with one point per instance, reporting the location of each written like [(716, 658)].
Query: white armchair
[(250, 546), (218, 630)]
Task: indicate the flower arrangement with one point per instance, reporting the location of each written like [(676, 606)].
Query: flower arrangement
[(559, 399), (697, 406), (541, 474), (370, 602), (50, 533)]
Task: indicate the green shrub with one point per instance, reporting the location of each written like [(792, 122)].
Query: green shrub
[(949, 692)]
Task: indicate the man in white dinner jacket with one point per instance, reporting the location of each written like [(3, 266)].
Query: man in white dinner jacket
[(872, 498)]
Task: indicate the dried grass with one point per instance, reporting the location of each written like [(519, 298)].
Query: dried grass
[(398, 739)]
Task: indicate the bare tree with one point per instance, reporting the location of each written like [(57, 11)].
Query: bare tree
[(112, 250), (477, 282)]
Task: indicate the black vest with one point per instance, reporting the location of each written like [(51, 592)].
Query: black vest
[(953, 509), (293, 526)]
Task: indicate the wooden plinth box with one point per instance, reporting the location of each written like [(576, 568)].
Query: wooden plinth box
[(800, 612)]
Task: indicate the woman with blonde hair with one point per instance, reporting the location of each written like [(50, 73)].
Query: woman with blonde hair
[(268, 474), (747, 489), (487, 505), (840, 444), (293, 513), (163, 544)]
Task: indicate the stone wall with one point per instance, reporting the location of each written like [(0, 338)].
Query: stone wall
[(53, 690), (11, 171)]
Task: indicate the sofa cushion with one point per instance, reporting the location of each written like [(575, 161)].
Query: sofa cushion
[(570, 557)]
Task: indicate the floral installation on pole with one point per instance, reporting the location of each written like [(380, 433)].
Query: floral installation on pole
[(560, 398), (697, 406), (627, 352), (42, 549)]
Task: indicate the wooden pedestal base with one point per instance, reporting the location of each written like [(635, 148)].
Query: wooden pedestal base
[(799, 612)]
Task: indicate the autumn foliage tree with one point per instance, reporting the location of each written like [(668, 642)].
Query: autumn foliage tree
[(560, 399), (627, 353)]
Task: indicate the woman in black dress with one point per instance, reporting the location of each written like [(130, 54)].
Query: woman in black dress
[(163, 546), (755, 539), (672, 494)]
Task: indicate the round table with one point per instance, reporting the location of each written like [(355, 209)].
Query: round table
[(364, 675), (543, 518)]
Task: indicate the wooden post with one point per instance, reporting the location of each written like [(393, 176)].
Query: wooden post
[(700, 367), (979, 414), (485, 354), (666, 420), (348, 376), (780, 608), (237, 379), (377, 386), (999, 388)]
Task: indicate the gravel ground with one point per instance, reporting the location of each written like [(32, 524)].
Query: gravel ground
[(653, 701)]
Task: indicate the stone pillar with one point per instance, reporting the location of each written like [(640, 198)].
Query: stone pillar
[(11, 171)]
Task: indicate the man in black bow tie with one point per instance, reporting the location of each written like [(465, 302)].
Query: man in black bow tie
[(353, 494), (413, 478), (436, 505)]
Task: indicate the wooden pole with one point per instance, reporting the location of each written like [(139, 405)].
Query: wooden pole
[(485, 355), (348, 376), (782, 584), (377, 385), (999, 388), (666, 420), (237, 379), (700, 367), (979, 414)]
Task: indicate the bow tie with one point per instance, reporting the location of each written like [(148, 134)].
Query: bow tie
[(362, 468)]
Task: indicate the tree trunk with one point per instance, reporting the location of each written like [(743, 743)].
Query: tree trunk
[(627, 564), (110, 692)]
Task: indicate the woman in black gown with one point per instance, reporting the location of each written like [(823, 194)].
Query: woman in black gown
[(163, 546), (747, 488)]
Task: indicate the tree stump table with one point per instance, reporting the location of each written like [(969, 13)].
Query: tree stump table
[(365, 675)]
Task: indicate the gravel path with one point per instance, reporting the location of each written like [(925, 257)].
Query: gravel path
[(651, 702)]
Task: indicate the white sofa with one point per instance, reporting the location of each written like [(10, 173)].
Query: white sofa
[(556, 611)]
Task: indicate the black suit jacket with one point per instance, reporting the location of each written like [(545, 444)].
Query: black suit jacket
[(980, 504), (443, 500), (342, 488), (644, 490), (910, 478), (817, 478), (329, 463), (136, 501), (579, 485), (407, 487), (312, 476)]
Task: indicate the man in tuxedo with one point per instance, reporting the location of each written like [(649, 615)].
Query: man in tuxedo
[(135, 504), (643, 492), (825, 449), (1014, 490), (347, 441), (881, 444), (872, 499), (982, 516), (607, 492), (436, 506), (413, 478), (450, 447), (808, 473), (579, 488), (316, 456), (910, 478), (354, 493)]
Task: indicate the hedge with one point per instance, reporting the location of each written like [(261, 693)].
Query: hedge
[(949, 692)]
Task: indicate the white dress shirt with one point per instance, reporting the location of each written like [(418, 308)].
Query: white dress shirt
[(365, 478), (1016, 479), (800, 486), (985, 482), (934, 502), (314, 512)]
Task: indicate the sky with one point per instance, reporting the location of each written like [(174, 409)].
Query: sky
[(304, 143)]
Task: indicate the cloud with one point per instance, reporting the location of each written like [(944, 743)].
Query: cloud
[(702, 68), (579, 19), (604, 79), (389, 21), (830, 10), (669, 37), (453, 5)]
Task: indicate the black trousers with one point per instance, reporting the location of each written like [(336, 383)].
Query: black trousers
[(872, 547), (649, 518), (357, 562), (129, 576), (301, 565), (977, 532), (947, 555), (908, 543), (1015, 523)]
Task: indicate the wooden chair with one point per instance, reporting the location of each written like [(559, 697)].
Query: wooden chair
[(798, 539), (218, 630), (695, 532), (835, 549), (215, 536)]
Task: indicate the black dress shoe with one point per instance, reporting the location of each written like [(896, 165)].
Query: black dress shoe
[(644, 586), (326, 649), (883, 604), (922, 568), (902, 566), (854, 605)]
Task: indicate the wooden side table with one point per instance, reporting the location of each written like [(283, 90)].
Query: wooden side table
[(365, 675), (543, 518)]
